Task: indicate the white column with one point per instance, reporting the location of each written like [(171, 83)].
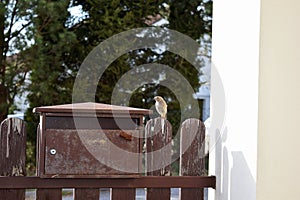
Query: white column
[(235, 70)]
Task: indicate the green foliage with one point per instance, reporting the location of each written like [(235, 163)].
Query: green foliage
[(107, 18), (191, 17), (30, 158), (51, 82)]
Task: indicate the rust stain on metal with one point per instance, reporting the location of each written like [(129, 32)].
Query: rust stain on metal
[(73, 158), (126, 136)]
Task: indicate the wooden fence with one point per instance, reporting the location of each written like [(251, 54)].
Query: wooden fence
[(13, 179)]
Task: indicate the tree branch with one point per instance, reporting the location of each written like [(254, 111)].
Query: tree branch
[(11, 24), (16, 33)]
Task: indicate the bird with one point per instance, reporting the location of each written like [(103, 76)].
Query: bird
[(161, 106)]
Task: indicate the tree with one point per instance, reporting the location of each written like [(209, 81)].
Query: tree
[(51, 79), (107, 18), (15, 38)]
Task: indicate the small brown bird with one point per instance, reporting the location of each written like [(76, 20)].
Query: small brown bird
[(161, 106)]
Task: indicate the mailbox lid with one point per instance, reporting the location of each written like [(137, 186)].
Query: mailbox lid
[(91, 107)]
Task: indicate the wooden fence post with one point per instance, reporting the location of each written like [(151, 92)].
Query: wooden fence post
[(48, 194), (192, 161), (158, 134), (123, 193), (12, 154), (82, 194)]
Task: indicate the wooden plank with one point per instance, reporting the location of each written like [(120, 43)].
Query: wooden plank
[(48, 194), (90, 194), (191, 193), (10, 194), (192, 155), (138, 182), (41, 146), (158, 193), (158, 134), (123, 193), (12, 154)]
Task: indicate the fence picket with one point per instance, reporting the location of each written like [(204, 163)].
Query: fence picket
[(123, 193), (48, 194), (158, 133), (12, 154), (192, 161), (83, 194)]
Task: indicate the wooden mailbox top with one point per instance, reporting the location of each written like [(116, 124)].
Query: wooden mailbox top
[(90, 107)]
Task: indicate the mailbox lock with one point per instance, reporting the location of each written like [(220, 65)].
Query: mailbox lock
[(52, 151)]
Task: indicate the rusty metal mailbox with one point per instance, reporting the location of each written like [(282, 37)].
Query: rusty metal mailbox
[(89, 140)]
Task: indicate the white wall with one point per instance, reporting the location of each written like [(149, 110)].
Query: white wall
[(279, 101), (235, 66)]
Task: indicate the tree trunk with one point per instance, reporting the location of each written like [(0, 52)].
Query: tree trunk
[(3, 89), (2, 38), (3, 102)]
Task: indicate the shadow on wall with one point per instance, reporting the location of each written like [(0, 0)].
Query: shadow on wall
[(236, 183)]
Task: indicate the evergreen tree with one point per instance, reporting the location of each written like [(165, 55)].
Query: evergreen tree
[(107, 18)]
